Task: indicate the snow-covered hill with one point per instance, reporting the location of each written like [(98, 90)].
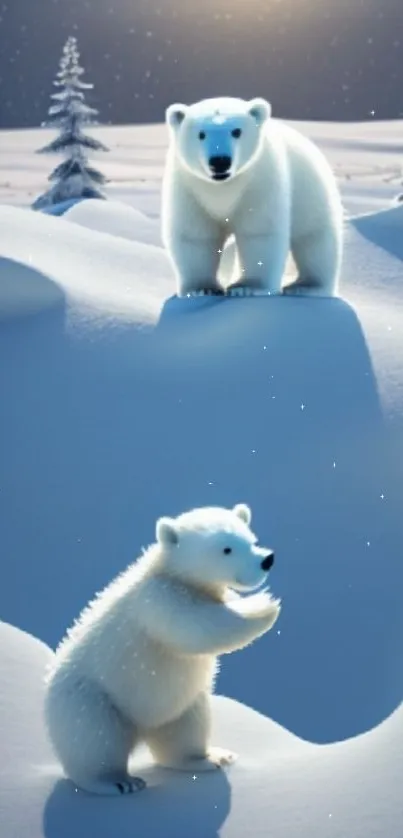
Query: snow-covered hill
[(119, 403), (281, 783)]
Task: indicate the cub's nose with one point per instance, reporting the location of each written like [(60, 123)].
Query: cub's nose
[(267, 562), (220, 164)]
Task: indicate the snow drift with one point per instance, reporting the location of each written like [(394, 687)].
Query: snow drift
[(116, 219)]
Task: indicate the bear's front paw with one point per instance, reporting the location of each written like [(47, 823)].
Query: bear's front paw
[(206, 292), (240, 291), (304, 288), (221, 757), (131, 786)]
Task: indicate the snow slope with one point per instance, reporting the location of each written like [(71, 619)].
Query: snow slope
[(120, 403), (281, 784)]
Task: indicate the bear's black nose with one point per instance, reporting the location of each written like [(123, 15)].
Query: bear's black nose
[(220, 164), (268, 562)]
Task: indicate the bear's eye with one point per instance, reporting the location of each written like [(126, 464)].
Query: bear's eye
[(236, 133), (202, 135), (227, 550)]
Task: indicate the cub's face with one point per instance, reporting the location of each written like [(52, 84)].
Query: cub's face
[(214, 548), (218, 138)]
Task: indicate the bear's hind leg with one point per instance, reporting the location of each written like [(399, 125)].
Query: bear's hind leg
[(318, 259), (92, 740), (184, 743)]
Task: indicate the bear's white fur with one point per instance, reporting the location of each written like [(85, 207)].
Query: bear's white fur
[(139, 664), (233, 171)]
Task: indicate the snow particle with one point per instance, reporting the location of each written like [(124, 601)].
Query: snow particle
[(302, 407)]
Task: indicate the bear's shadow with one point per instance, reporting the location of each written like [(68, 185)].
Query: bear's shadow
[(293, 422), (174, 804)]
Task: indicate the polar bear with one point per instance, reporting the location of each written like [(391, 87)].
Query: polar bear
[(139, 664), (233, 171)]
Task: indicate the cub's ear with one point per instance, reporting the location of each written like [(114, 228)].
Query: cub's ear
[(260, 110), (166, 532), (243, 511), (175, 114)]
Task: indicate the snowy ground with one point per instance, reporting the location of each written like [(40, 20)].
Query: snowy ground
[(121, 403), (367, 159)]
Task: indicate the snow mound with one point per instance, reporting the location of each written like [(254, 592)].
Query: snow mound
[(384, 229), (91, 271), (116, 219), (25, 290), (351, 788)]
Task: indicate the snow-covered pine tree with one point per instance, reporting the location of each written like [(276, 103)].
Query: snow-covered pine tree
[(74, 177)]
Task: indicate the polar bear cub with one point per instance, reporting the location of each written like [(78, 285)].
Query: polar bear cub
[(234, 172), (139, 664)]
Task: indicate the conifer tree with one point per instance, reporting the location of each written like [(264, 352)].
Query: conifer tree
[(74, 177)]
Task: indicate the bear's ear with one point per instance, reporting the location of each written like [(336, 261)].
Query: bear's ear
[(244, 512), (260, 110), (166, 532), (175, 115)]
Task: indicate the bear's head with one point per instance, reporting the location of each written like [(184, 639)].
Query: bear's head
[(217, 139), (214, 549)]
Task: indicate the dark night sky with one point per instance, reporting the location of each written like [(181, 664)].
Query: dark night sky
[(314, 59)]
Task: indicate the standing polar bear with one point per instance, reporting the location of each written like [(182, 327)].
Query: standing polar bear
[(232, 171), (140, 662)]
